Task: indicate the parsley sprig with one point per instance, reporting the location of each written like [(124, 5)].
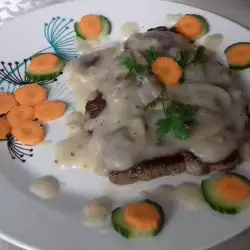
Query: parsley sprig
[(151, 55), (178, 118), (133, 67), (137, 69), (151, 104), (183, 57)]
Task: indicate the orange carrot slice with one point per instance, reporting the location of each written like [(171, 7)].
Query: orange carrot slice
[(167, 70), (232, 188), (44, 63), (31, 94), (142, 216), (192, 26), (91, 26), (5, 128), (19, 114), (29, 132), (50, 111), (7, 102), (238, 55)]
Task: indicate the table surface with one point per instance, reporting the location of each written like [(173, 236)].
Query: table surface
[(236, 10)]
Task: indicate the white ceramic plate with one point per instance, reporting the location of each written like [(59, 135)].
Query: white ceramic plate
[(57, 224)]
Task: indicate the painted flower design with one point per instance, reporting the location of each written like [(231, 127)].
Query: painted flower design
[(60, 35)]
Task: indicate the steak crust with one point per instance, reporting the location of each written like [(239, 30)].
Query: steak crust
[(171, 165)]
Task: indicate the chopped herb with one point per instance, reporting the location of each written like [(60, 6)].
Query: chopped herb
[(151, 55), (133, 67), (139, 107), (179, 129), (182, 59), (178, 117), (163, 127), (153, 103)]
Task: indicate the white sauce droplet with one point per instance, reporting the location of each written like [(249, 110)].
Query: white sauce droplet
[(128, 29), (172, 19), (45, 187), (97, 213), (213, 42), (82, 46), (189, 195)]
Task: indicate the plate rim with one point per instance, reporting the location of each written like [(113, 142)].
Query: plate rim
[(21, 244)]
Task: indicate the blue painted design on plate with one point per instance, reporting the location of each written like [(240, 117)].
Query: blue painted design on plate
[(60, 34), (13, 75), (60, 92)]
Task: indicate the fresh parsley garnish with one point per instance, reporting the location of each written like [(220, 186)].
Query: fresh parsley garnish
[(178, 118), (163, 127), (151, 55), (133, 67), (182, 59)]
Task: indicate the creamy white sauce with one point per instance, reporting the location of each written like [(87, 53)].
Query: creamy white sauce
[(123, 134), (213, 42), (45, 187), (128, 29), (97, 213), (189, 195), (87, 46)]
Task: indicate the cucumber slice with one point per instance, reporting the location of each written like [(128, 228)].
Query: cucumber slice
[(237, 46), (106, 28), (78, 31), (45, 76), (127, 231), (220, 203), (205, 25)]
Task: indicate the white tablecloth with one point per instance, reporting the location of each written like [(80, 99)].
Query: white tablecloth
[(236, 10)]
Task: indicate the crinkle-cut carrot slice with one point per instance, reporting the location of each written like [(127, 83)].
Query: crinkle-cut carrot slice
[(7, 102), (5, 128), (50, 111), (190, 26), (20, 113), (91, 25), (232, 188), (44, 63), (142, 216), (167, 70), (29, 132), (31, 94)]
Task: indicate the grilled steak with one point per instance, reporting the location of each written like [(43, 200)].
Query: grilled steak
[(150, 169), (171, 165), (96, 106)]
